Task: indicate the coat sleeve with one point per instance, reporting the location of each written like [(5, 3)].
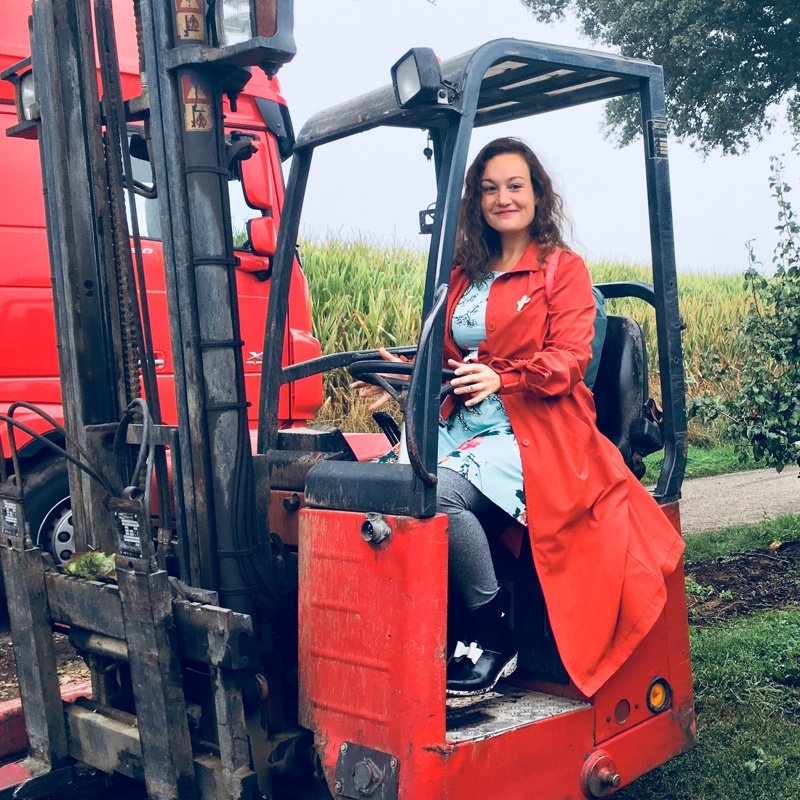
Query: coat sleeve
[(562, 362)]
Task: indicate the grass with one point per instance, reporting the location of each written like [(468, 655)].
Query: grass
[(747, 696), (738, 538), (701, 462), (747, 693)]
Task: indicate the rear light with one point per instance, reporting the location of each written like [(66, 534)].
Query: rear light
[(658, 695), (266, 17)]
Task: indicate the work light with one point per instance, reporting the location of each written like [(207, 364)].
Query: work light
[(20, 75), (417, 79), (240, 20), (27, 107), (244, 33)]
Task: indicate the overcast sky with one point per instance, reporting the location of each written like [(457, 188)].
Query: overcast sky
[(374, 184)]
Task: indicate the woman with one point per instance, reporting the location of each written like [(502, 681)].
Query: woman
[(519, 433)]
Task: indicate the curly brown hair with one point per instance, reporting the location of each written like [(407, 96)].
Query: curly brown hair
[(477, 244)]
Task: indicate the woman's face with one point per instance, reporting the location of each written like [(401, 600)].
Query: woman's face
[(507, 199)]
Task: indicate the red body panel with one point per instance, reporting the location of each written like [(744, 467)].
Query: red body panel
[(372, 673), (28, 357)]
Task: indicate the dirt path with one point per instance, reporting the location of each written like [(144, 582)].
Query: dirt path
[(739, 498)]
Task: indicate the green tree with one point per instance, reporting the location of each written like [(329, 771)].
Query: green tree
[(759, 394), (729, 65)]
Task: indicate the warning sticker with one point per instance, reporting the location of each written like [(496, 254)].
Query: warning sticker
[(191, 24), (196, 106)]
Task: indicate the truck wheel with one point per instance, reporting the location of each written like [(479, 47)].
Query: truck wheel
[(49, 508)]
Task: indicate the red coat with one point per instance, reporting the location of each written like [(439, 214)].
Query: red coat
[(601, 545)]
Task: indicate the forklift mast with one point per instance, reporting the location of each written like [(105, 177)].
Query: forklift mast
[(212, 585)]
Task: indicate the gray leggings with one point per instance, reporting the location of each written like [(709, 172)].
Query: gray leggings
[(470, 561)]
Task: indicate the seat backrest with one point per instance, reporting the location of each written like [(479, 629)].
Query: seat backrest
[(620, 389)]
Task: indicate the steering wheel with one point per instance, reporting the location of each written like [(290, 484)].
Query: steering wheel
[(372, 372), (394, 376)]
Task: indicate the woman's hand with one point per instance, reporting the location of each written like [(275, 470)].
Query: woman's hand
[(473, 378), (370, 390)]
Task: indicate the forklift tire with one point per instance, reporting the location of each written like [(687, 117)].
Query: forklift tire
[(49, 508)]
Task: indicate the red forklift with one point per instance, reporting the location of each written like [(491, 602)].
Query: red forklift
[(279, 630), (372, 553)]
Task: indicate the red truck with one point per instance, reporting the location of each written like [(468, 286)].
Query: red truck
[(28, 357)]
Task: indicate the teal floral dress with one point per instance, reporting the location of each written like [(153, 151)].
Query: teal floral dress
[(477, 442)]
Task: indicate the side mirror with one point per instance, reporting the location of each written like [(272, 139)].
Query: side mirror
[(256, 182), (263, 235)]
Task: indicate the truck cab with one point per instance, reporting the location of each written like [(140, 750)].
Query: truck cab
[(29, 361)]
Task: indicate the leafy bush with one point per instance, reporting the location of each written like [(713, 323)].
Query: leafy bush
[(759, 394)]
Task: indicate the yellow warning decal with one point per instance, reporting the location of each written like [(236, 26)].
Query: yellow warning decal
[(191, 24), (196, 106)]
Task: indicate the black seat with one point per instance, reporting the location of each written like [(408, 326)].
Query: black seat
[(621, 393)]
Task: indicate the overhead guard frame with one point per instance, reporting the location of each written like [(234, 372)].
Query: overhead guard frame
[(503, 80)]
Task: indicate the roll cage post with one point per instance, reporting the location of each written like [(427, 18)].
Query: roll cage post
[(668, 319)]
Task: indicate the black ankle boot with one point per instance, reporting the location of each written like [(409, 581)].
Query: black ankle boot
[(490, 655)]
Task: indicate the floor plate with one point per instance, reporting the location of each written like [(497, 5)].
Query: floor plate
[(502, 710)]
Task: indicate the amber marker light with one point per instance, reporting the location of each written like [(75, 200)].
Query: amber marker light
[(658, 695)]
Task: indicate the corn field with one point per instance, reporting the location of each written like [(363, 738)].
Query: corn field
[(364, 295)]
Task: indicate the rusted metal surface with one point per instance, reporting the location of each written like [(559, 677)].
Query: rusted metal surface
[(106, 742), (239, 781), (208, 634), (98, 644), (157, 685), (28, 610), (216, 636), (85, 604), (283, 508), (366, 772)]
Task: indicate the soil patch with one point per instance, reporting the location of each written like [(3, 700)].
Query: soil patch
[(70, 666), (743, 583)]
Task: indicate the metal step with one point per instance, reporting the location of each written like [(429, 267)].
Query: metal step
[(504, 709)]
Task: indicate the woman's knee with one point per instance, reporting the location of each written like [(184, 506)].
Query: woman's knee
[(453, 492)]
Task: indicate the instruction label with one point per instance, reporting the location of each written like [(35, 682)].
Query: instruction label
[(10, 523), (657, 130), (128, 540)]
